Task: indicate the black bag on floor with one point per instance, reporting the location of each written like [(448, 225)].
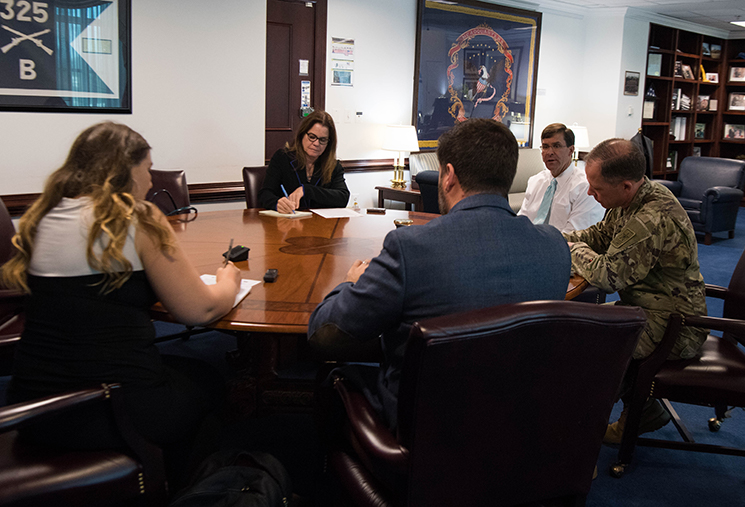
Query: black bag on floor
[(237, 479)]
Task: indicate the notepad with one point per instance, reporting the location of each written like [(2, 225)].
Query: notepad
[(246, 285), (336, 213), (272, 213)]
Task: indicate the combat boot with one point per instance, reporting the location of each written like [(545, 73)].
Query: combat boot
[(653, 418)]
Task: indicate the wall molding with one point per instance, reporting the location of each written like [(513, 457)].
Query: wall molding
[(206, 192)]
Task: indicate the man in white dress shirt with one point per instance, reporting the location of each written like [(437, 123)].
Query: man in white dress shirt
[(566, 205)]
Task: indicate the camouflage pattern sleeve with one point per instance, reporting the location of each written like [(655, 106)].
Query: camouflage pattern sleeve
[(597, 237), (628, 258)]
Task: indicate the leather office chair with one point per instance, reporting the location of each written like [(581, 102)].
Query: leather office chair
[(253, 180), (427, 181), (11, 302), (500, 406), (36, 475), (715, 377), (710, 190), (170, 192)]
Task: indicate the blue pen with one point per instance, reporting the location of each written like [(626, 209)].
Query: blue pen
[(285, 192)]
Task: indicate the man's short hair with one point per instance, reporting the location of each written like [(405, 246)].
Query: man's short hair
[(483, 153), (619, 160), (558, 128)]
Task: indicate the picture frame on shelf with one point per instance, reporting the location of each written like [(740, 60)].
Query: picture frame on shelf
[(696, 151), (631, 83), (736, 101), (716, 50), (737, 74), (654, 64), (712, 77), (687, 72), (734, 131), (705, 51), (713, 104), (702, 103), (678, 68), (699, 131)]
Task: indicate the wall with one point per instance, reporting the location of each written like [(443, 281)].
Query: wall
[(198, 87), (199, 105)]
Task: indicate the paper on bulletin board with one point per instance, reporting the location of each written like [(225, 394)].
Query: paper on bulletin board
[(342, 61)]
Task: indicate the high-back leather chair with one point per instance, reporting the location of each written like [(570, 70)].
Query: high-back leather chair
[(501, 406), (715, 377), (37, 475), (710, 190), (427, 181), (170, 192), (11, 302), (253, 180)]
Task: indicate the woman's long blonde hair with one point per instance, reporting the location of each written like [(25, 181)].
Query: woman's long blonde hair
[(99, 166)]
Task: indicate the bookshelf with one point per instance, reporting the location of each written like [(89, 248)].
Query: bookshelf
[(682, 106), (732, 110)]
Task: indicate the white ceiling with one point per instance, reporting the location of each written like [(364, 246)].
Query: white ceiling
[(713, 13)]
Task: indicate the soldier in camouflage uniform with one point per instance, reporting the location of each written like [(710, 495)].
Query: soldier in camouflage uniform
[(645, 248)]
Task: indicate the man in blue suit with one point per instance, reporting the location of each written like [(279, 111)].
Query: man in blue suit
[(477, 254)]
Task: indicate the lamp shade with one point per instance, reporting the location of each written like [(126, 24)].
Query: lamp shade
[(400, 138), (581, 137)]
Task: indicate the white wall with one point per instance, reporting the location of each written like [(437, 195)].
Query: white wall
[(198, 87), (197, 93)]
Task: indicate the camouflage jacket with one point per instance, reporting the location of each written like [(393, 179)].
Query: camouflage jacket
[(648, 253)]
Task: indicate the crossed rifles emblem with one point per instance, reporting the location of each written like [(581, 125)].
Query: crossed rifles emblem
[(22, 37)]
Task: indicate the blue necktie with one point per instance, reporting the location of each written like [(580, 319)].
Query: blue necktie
[(545, 210)]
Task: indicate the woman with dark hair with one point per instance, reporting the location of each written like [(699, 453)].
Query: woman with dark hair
[(94, 256), (307, 169)]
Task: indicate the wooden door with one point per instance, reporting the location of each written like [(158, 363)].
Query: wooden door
[(295, 33)]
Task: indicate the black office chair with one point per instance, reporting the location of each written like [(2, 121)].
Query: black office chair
[(253, 180), (427, 181), (12, 317), (501, 406), (32, 474), (170, 192), (715, 377)]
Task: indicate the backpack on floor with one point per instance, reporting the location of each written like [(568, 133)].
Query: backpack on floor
[(219, 482)]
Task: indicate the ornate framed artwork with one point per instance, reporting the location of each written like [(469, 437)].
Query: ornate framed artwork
[(65, 56), (474, 60)]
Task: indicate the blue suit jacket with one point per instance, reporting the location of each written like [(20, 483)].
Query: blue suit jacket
[(478, 255)]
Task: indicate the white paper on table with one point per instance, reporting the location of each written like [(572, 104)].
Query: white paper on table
[(336, 213), (246, 285), (272, 213)]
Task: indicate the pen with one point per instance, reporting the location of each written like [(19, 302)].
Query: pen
[(285, 192), (227, 257)]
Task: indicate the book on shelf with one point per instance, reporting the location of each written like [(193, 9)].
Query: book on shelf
[(702, 103), (685, 102), (676, 99), (681, 101), (654, 65), (716, 50), (678, 68), (700, 131), (678, 128)]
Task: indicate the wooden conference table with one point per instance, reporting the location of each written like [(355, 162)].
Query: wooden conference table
[(312, 255)]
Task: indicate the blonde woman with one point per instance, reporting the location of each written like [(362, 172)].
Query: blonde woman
[(94, 257)]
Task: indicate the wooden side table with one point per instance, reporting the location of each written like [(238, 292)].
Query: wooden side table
[(408, 195)]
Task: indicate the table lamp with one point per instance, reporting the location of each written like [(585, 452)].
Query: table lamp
[(581, 141), (400, 138)]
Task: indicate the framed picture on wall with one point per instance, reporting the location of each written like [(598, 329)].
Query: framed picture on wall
[(631, 83), (66, 56), (474, 60), (732, 131)]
